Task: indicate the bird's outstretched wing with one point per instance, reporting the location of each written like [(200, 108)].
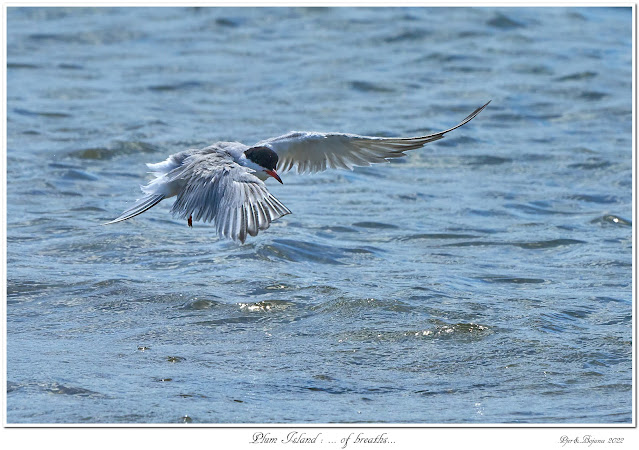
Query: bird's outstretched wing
[(215, 188), (314, 152)]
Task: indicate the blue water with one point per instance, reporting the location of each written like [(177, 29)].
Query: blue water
[(486, 278)]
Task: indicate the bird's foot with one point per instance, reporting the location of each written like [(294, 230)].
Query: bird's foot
[(190, 221)]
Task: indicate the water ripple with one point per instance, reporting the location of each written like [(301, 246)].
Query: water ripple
[(552, 243), (299, 251), (514, 280), (460, 330), (503, 22), (366, 86), (610, 219), (47, 114), (118, 148), (54, 388)]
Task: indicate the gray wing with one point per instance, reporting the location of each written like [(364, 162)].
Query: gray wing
[(314, 152), (215, 188)]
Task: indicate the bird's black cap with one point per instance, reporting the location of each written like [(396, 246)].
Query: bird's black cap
[(262, 156)]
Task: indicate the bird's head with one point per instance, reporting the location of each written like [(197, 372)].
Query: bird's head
[(265, 158)]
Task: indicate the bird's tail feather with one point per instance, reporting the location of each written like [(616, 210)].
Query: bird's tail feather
[(145, 203)]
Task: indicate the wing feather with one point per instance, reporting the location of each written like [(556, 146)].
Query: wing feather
[(215, 188), (262, 218), (252, 226), (243, 225), (316, 152)]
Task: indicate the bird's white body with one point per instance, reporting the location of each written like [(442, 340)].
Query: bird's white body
[(224, 182)]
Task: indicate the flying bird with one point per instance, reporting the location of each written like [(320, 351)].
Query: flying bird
[(224, 182)]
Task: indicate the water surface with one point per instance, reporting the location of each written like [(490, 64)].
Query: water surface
[(483, 279)]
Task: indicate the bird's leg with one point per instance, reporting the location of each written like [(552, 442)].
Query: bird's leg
[(190, 221)]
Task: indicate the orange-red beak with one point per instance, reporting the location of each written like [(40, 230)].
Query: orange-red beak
[(274, 175)]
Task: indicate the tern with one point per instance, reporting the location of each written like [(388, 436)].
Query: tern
[(224, 182)]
